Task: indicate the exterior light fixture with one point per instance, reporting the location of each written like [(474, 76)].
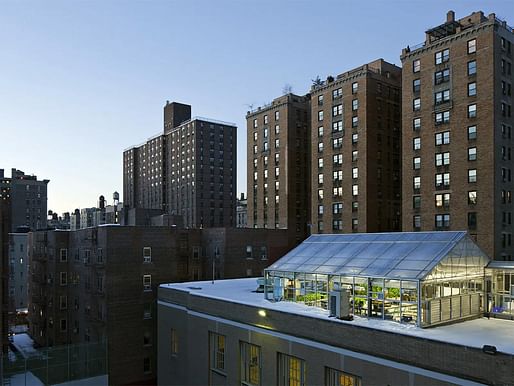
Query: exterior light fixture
[(262, 313)]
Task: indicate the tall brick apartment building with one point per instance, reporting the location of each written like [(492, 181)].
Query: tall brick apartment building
[(99, 284), (189, 171), (356, 150), (457, 131), (278, 165)]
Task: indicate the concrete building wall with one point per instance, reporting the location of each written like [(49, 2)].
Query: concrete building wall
[(375, 356)]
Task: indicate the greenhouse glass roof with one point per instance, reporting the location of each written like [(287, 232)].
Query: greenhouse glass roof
[(402, 255)]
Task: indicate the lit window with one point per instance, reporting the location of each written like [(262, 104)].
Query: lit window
[(277, 115), (277, 143), (355, 138), (355, 172), (320, 162), (416, 65), (277, 172), (442, 56), (355, 190), (320, 178), (250, 364), (335, 377), (338, 159), (320, 115), (472, 197), (320, 194), (320, 131), (416, 182), (337, 191), (472, 46), (442, 200), (337, 175), (217, 351)]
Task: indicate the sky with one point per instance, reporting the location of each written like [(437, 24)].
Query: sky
[(80, 81)]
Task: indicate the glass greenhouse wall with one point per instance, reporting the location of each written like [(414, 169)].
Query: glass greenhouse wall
[(501, 301), (424, 278)]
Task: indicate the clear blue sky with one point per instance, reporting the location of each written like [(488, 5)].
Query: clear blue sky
[(80, 81)]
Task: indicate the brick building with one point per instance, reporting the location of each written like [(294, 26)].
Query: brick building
[(457, 125), (356, 150), (278, 165), (188, 171), (99, 284)]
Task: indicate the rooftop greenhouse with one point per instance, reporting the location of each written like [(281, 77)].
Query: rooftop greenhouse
[(424, 278)]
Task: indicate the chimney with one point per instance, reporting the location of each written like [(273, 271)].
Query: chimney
[(450, 16)]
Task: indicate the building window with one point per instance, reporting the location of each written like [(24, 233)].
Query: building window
[(442, 200), (335, 377), (147, 365), (255, 149), (320, 100), (472, 67), (355, 104), (355, 87), (355, 138), (337, 175), (63, 254), (147, 282), (337, 110), (255, 123), (442, 97), (320, 131), (338, 159), (442, 56), (355, 190), (416, 85), (472, 132), (320, 178), (472, 175), (416, 182), (320, 209), (147, 254), (337, 126), (320, 194), (472, 89), (63, 278), (337, 93), (337, 143), (442, 117), (416, 202), (355, 155), (320, 115), (320, 226), (472, 46), (250, 364), (442, 138), (472, 197), (472, 154), (217, 351), (442, 76), (442, 221), (355, 122), (277, 143), (442, 158), (173, 342), (416, 65), (355, 172), (416, 104), (355, 224), (416, 222), (320, 147), (337, 191), (64, 325), (63, 302), (472, 111), (337, 208), (472, 220), (265, 119), (277, 172), (320, 163), (416, 123), (277, 129), (442, 180), (337, 225), (416, 163), (277, 115)]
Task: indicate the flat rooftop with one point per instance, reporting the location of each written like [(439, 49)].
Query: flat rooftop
[(473, 333)]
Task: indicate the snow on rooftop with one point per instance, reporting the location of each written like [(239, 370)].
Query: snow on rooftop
[(25, 345), (472, 333)]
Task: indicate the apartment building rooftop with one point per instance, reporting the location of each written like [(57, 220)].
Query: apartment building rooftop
[(473, 333)]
